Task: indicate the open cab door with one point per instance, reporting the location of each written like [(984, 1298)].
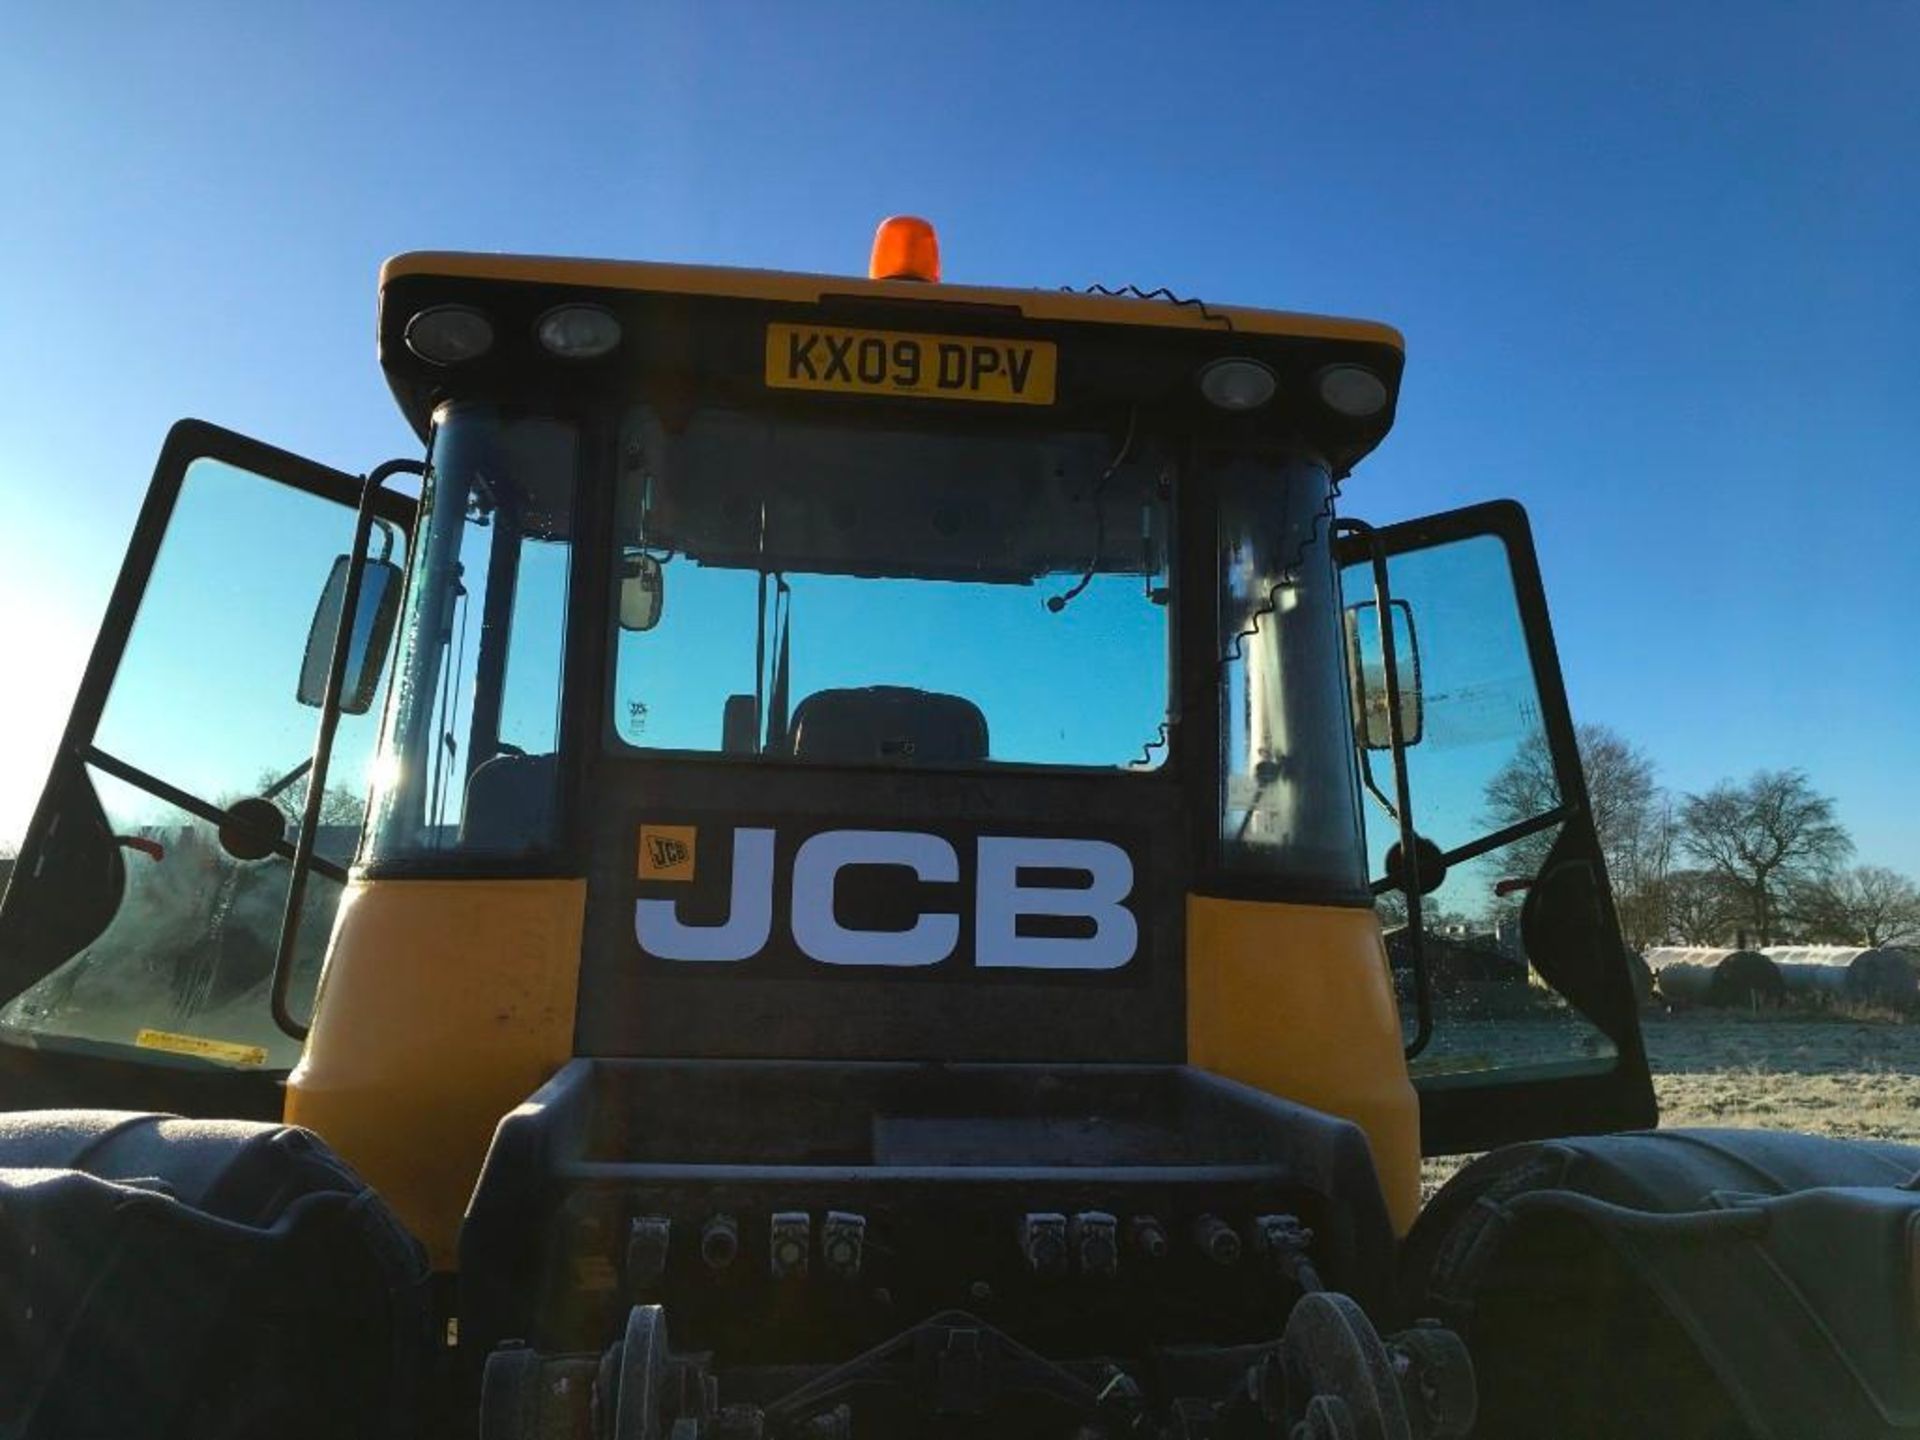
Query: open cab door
[(139, 931), (1518, 1006)]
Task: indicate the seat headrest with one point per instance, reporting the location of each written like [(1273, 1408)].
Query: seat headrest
[(509, 804), (888, 724)]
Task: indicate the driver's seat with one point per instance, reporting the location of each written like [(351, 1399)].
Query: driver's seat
[(888, 724), (509, 804)]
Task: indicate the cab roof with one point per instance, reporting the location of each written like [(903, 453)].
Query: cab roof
[(796, 287), (1162, 336)]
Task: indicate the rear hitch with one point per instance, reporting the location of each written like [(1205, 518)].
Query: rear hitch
[(1330, 1376)]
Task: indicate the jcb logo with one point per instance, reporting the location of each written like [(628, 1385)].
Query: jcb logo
[(1015, 878), (666, 852)]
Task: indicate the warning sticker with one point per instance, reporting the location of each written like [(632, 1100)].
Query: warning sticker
[(667, 852), (225, 1051)]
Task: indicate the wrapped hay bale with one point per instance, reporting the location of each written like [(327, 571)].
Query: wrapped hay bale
[(1707, 975)]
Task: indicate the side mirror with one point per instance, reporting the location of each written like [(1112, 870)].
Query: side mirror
[(643, 591), (371, 635), (1367, 669)]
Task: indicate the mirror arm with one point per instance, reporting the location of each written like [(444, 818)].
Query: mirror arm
[(1402, 788), (1373, 785), (323, 742)]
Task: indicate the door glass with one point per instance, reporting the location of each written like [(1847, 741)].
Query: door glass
[(204, 701), (1482, 765), (184, 962), (205, 696)]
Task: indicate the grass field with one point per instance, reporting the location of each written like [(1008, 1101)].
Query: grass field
[(1826, 1075)]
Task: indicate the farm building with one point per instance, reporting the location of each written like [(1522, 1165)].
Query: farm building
[(1457, 961)]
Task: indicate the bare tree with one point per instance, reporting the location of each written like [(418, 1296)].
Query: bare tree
[(1632, 818), (1642, 871), (1867, 905), (1622, 791), (1764, 836), (1699, 907), (1392, 909), (339, 806)]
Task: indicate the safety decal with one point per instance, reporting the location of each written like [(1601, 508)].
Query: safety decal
[(224, 1051)]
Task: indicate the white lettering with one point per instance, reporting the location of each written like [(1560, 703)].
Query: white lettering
[(660, 931), (1002, 899), (817, 867)]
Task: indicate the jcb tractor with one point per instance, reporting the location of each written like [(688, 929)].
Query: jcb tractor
[(863, 857)]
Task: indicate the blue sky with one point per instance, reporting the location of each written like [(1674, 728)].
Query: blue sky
[(1656, 266)]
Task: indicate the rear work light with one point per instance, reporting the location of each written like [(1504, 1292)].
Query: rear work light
[(578, 332), (1236, 384), (449, 334), (1352, 391)]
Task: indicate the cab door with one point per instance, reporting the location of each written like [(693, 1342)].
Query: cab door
[(138, 931), (1518, 1007)]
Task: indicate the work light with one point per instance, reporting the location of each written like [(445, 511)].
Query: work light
[(449, 334), (1353, 391), (1236, 384), (578, 332)]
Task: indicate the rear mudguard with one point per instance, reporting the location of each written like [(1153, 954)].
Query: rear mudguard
[(1696, 1282)]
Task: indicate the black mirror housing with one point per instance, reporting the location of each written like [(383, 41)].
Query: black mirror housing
[(371, 636)]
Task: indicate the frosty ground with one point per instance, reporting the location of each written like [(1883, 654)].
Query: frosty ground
[(1825, 1075)]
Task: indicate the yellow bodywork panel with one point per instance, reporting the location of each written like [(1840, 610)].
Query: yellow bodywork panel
[(1296, 1000), (444, 1004)]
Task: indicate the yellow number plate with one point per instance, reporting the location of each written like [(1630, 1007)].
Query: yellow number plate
[(892, 362)]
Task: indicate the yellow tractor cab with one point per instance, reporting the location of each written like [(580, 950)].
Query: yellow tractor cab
[(894, 829)]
